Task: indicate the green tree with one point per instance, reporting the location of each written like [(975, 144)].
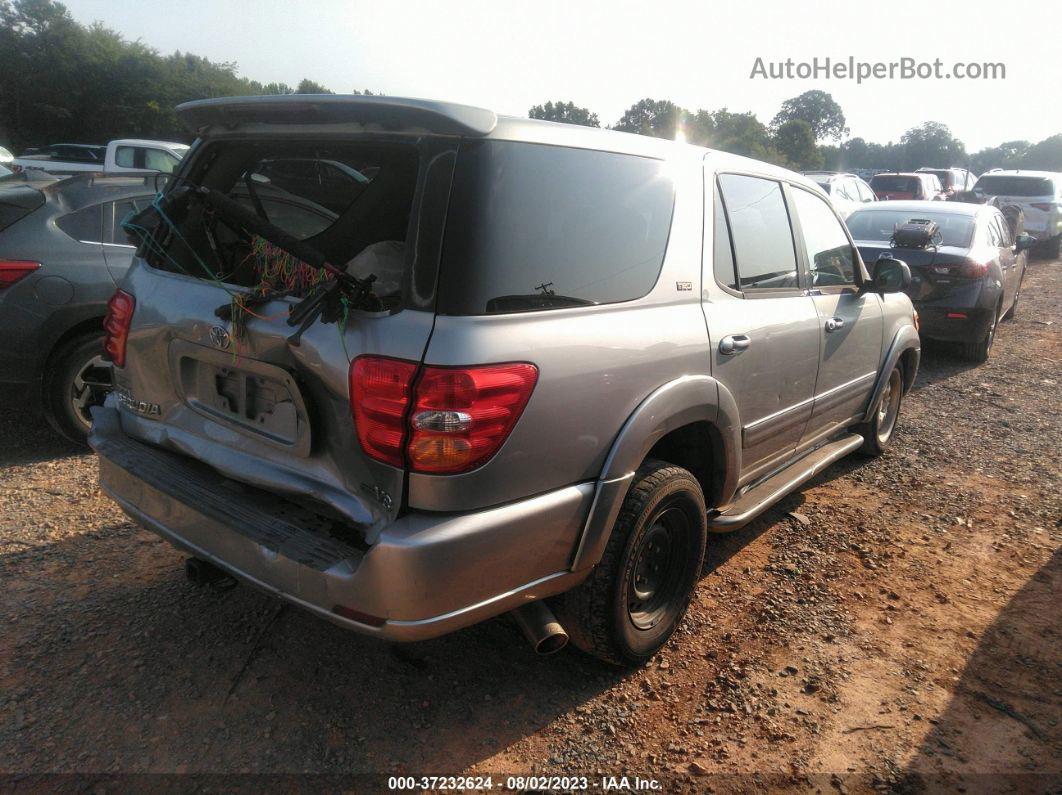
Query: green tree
[(307, 86), (795, 140), (1044, 156), (819, 110), (659, 118), (859, 153), (737, 133), (277, 89), (1009, 154), (931, 144), (566, 112)]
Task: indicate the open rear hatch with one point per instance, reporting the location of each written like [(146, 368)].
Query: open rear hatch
[(268, 265)]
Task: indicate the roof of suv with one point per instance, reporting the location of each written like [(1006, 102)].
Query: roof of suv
[(830, 174), (221, 115), (999, 172), (936, 207), (902, 174)]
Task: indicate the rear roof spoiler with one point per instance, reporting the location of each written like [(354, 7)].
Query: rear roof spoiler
[(389, 113)]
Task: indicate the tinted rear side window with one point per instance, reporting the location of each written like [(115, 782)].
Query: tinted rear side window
[(898, 184), (535, 227), (18, 202), (763, 239), (85, 224), (1016, 186)]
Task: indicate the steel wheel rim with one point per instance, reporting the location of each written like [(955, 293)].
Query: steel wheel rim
[(91, 384), (656, 577), (889, 407)]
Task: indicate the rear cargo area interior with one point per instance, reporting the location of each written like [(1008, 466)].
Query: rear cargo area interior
[(350, 202)]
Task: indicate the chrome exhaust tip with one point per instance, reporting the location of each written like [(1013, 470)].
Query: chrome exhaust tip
[(541, 628)]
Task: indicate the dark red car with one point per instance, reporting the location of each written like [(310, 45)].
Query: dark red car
[(897, 185)]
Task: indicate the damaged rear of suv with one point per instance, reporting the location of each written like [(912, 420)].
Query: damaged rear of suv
[(410, 365)]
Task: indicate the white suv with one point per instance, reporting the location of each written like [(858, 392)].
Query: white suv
[(1038, 193), (847, 192)]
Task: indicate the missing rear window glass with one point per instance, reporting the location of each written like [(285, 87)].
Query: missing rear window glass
[(351, 203)]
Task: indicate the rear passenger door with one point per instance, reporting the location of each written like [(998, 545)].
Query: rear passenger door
[(763, 328), (849, 330), (999, 236)]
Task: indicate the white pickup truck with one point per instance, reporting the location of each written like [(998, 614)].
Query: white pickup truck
[(117, 157)]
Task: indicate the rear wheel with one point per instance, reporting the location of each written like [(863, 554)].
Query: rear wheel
[(978, 352), (77, 379), (878, 431), (639, 591)]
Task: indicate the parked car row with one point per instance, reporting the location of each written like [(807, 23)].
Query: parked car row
[(121, 156), (966, 274), (1037, 193)]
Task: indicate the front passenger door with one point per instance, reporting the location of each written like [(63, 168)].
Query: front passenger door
[(850, 322)]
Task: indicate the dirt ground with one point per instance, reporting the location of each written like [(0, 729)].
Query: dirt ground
[(893, 626)]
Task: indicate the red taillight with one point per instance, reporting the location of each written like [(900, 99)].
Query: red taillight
[(462, 415), (974, 270), (116, 326), (956, 316), (380, 392), (454, 418), (11, 270)]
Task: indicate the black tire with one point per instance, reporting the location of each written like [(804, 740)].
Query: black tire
[(1052, 249), (978, 352), (1017, 296), (77, 378), (638, 593), (877, 433)]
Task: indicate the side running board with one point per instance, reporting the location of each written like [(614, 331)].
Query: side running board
[(761, 497)]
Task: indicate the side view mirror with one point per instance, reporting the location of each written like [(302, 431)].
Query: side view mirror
[(891, 275), (1023, 243)]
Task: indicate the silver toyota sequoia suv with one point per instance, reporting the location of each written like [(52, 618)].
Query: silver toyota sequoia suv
[(410, 365)]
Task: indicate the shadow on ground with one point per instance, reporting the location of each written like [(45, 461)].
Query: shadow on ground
[(25, 435), (1007, 705)]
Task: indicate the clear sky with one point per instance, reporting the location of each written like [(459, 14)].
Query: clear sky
[(509, 56)]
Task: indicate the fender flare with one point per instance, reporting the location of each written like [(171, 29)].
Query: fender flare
[(689, 399), (906, 339)]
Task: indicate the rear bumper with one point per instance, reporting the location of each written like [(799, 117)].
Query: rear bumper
[(1043, 228), (428, 574), (935, 324)]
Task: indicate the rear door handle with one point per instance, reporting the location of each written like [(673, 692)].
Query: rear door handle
[(834, 323), (734, 343)]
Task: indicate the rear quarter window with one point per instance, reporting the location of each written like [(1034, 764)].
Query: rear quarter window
[(537, 227), (898, 184), (85, 225), (1016, 186)]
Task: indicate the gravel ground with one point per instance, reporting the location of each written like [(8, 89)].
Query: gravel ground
[(891, 626)]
